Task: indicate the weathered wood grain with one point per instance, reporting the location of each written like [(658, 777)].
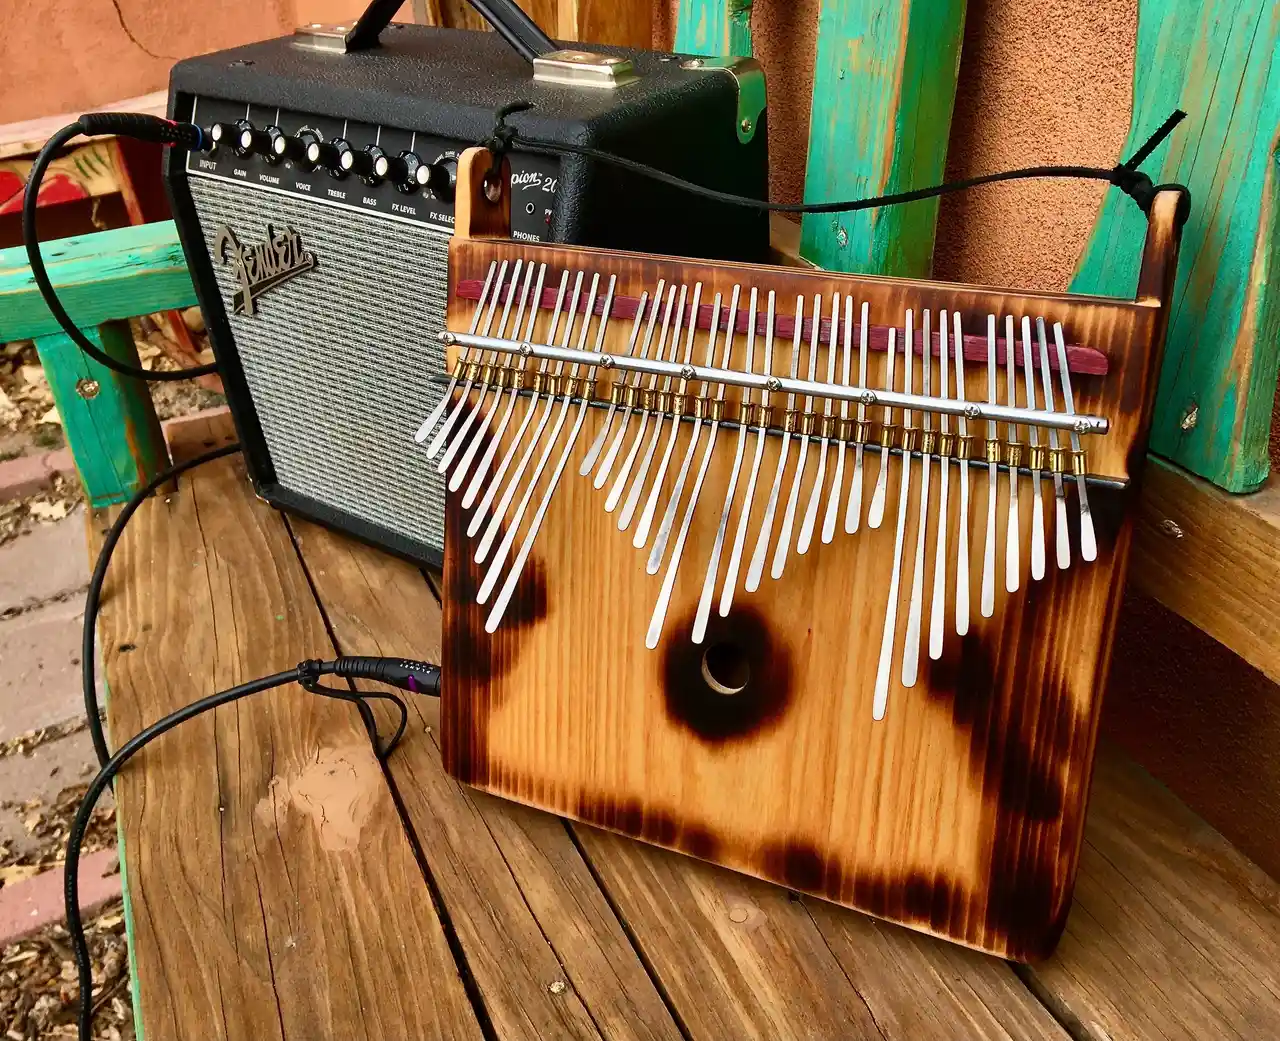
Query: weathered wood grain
[(736, 957), (968, 994), (109, 420), (1214, 558), (261, 840), (884, 86), (523, 902), (714, 27), (1174, 935), (1220, 61), (99, 277)]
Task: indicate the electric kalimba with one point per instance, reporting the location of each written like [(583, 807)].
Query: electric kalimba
[(811, 575)]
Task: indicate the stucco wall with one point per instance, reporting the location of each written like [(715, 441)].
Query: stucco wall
[(63, 55)]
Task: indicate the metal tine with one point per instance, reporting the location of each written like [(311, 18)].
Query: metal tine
[(642, 474), (442, 434), (477, 478), (669, 579), (513, 576), (500, 511), (1088, 540), (1013, 543), (853, 514), (755, 570), (1063, 537), (962, 435), (429, 423), (606, 464), (939, 604), (651, 504), (620, 482), (508, 540), (477, 518), (668, 516), (459, 437), (911, 643), (824, 440), (880, 696), (468, 457), (713, 564), (988, 603), (789, 517), (1033, 439), (837, 485), (875, 513), (744, 516), (594, 451)]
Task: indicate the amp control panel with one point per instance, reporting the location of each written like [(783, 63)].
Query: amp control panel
[(401, 174)]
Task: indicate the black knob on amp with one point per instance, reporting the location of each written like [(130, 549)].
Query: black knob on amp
[(257, 142), (370, 164), (295, 148), (442, 178), (331, 155), (407, 172)]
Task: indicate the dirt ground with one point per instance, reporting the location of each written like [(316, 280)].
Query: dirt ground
[(38, 982)]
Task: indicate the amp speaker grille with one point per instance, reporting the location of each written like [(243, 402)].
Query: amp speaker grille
[(339, 359)]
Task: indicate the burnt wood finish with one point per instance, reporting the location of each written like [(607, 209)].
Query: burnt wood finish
[(961, 812)]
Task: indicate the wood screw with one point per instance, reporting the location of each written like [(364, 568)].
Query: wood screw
[(1171, 528), (88, 389), (558, 987), (842, 238), (1189, 417)]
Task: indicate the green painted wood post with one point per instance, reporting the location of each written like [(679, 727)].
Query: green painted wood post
[(719, 27), (883, 91), (1219, 60), (101, 279), (109, 420)]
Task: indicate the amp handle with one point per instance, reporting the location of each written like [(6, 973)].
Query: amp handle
[(510, 22)]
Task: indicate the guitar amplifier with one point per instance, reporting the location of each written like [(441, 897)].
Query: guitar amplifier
[(317, 229)]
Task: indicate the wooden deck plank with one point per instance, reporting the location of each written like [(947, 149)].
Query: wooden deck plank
[(970, 994), (737, 957), (525, 907), (1173, 935), (274, 891)]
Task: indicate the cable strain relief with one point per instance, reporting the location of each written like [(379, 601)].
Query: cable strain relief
[(143, 126)]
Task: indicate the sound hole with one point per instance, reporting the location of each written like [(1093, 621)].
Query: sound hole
[(725, 668)]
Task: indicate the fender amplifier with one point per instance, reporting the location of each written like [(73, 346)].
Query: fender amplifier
[(317, 229)]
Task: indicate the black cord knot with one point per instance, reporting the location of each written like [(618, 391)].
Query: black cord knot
[(502, 137), (1136, 185)]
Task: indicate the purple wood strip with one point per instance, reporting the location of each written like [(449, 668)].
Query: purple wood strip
[(1086, 361)]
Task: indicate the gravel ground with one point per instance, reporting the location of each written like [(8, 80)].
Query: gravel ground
[(38, 982)]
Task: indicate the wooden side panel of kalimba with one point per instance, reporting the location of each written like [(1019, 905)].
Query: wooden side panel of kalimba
[(961, 811)]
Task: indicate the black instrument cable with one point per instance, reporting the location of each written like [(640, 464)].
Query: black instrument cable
[(131, 124)]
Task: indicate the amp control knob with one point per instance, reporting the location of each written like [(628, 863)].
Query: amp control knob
[(370, 164), (407, 172), (442, 178), (295, 148), (231, 135), (257, 142), (331, 155)]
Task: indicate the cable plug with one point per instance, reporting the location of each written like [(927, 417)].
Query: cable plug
[(419, 677), (146, 128)]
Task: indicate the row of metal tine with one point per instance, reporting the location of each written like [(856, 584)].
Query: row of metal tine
[(466, 429)]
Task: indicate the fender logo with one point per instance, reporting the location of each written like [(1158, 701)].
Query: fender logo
[(260, 268)]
